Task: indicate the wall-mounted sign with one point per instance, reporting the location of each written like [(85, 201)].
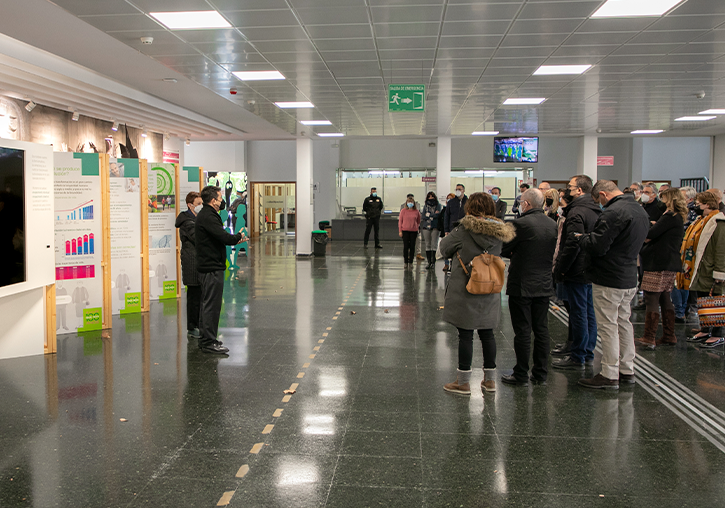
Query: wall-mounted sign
[(406, 97), (429, 179), (605, 160)]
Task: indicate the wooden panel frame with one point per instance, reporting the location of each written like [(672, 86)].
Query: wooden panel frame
[(51, 340), (143, 170), (201, 178), (104, 167), (177, 190)]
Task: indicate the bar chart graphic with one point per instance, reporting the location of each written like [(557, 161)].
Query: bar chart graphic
[(80, 212), (84, 244)]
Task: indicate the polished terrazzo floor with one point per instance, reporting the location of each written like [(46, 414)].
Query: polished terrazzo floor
[(369, 424)]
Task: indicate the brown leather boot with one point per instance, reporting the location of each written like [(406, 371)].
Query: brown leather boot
[(668, 329), (651, 321)]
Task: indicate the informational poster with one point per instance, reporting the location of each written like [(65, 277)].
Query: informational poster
[(78, 233), (163, 209), (126, 278)]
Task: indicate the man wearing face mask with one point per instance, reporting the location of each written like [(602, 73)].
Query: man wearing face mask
[(501, 205), (455, 209), (372, 208), (651, 202), (186, 223), (211, 256), (612, 248), (636, 188)]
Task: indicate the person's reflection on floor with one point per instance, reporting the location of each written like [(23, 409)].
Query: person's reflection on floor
[(202, 396), (372, 278), (409, 302)]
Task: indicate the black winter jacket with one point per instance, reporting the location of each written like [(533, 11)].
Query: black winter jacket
[(662, 252), (580, 217), (612, 248), (501, 206), (186, 222), (532, 255), (655, 209), (211, 241), (455, 211), (372, 207)]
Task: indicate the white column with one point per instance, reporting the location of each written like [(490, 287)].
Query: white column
[(717, 172), (304, 197), (587, 160), (443, 167)]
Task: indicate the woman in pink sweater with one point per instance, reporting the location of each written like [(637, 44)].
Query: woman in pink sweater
[(408, 226)]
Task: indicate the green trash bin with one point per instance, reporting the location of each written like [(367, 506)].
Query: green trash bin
[(324, 224), (319, 242)]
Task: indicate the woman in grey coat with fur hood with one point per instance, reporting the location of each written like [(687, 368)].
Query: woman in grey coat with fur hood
[(478, 232)]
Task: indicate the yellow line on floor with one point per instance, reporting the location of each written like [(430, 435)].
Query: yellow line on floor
[(304, 366), (312, 357), (300, 375), (321, 341), (339, 308), (243, 471), (325, 334), (268, 429), (293, 386), (337, 313), (329, 328), (277, 413), (316, 348), (256, 448), (334, 318), (286, 398), (226, 498)]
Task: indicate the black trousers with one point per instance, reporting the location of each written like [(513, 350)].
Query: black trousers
[(465, 348), (527, 315), (409, 238), (212, 288), (372, 224), (193, 301)]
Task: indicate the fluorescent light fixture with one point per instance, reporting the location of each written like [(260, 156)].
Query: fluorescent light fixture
[(632, 8), (647, 131), (316, 122), (383, 172), (694, 118), (191, 20), (143, 132), (330, 134), (114, 127), (473, 172), (292, 105), (484, 133), (551, 70), (76, 116), (523, 101), (30, 106), (187, 141), (258, 75), (713, 112)]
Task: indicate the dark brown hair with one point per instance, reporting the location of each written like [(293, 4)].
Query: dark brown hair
[(480, 204), (709, 199), (190, 197)]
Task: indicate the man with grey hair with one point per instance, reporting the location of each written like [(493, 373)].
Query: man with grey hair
[(544, 186), (529, 287), (637, 189), (613, 247), (651, 202), (689, 193)]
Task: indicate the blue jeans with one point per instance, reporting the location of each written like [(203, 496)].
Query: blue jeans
[(582, 320), (679, 300)]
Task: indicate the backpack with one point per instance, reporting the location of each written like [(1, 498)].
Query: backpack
[(486, 275)]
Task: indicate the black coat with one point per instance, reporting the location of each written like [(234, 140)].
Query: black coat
[(442, 216), (579, 217), (655, 209), (612, 248), (211, 241), (532, 255), (455, 211), (186, 222), (372, 207), (501, 209), (662, 252)]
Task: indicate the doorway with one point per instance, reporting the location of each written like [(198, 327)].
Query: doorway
[(273, 207)]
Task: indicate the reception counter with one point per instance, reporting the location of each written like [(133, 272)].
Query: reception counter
[(354, 229)]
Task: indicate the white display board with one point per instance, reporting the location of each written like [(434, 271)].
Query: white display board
[(126, 278), (163, 208), (78, 242)]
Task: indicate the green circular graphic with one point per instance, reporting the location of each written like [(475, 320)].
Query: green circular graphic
[(164, 182)]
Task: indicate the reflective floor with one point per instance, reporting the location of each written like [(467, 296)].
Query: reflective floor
[(141, 417)]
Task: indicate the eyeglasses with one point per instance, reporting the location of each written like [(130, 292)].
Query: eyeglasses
[(572, 187)]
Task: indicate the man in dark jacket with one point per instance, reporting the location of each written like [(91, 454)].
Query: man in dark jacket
[(612, 250), (211, 258), (501, 205), (455, 209), (580, 217), (372, 208), (186, 223), (651, 202), (530, 285)]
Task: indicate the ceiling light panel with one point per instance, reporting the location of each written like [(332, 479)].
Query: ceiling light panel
[(191, 20), (484, 133), (294, 105), (330, 134), (632, 8), (647, 131), (554, 70), (694, 118), (523, 101), (258, 75), (713, 112), (316, 122)]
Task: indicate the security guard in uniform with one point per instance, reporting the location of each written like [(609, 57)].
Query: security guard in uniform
[(372, 208)]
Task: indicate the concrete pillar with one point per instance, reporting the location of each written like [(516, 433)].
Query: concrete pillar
[(443, 167), (717, 171), (304, 197), (587, 160)]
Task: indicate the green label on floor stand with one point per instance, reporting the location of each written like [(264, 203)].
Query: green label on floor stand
[(133, 303), (169, 290), (406, 98), (91, 319)]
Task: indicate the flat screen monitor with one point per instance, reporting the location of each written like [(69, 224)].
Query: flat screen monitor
[(12, 216), (522, 149)]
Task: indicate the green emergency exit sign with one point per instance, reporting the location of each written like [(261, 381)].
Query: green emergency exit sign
[(406, 97)]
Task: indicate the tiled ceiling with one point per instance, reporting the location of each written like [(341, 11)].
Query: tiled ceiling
[(471, 55)]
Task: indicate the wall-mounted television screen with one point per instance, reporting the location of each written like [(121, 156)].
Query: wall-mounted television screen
[(12, 216), (516, 150)]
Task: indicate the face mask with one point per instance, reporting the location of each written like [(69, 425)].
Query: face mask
[(222, 205), (197, 209), (431, 201), (375, 194), (549, 201), (644, 198), (495, 197), (698, 211), (601, 207), (411, 205), (459, 194)]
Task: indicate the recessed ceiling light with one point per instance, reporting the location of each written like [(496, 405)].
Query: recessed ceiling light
[(170, 80), (316, 122), (76, 116), (713, 112), (631, 8), (330, 134), (30, 106), (292, 105), (484, 133), (114, 127), (523, 101), (694, 118), (258, 75), (551, 70), (191, 20), (647, 131), (144, 133)]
